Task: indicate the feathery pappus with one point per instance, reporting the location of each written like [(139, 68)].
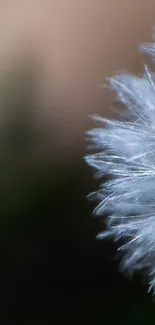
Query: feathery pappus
[(125, 151)]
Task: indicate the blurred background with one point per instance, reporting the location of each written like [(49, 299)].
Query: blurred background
[(54, 56)]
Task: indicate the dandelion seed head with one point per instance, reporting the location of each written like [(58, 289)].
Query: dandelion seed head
[(126, 152)]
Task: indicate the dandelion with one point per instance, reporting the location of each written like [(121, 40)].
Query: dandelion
[(126, 153)]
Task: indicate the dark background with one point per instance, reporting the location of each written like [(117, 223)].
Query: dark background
[(53, 270)]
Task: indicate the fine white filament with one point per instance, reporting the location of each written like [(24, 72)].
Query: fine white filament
[(126, 153)]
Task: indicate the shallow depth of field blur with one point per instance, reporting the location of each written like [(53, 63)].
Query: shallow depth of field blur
[(54, 57)]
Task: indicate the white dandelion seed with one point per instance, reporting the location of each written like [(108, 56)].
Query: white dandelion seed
[(126, 152)]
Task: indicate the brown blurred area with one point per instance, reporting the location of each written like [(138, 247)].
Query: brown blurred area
[(76, 45)]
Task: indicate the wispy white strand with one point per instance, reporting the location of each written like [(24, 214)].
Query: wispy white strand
[(126, 152)]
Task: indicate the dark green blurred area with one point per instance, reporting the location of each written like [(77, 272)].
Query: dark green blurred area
[(53, 270), (22, 172)]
